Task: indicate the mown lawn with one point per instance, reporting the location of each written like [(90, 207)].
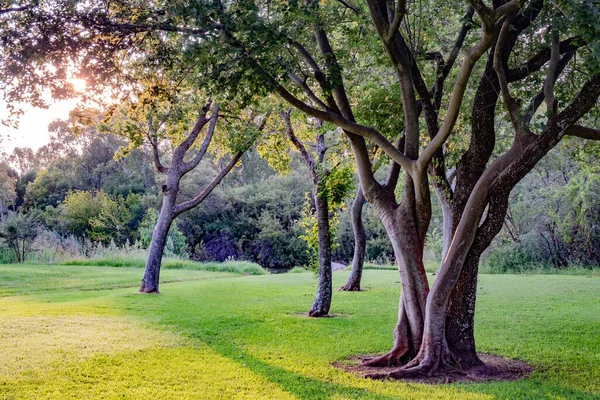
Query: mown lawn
[(84, 332)]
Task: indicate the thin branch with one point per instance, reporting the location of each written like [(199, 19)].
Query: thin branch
[(350, 6), (180, 208), (308, 159), (551, 74), (399, 13), (154, 144), (512, 105), (14, 9), (302, 84), (536, 62), (207, 139)]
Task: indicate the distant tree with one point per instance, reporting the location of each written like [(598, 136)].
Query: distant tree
[(8, 194), (330, 187), (19, 230)]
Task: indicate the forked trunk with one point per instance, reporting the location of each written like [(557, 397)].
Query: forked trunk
[(360, 244), (157, 246), (322, 303)]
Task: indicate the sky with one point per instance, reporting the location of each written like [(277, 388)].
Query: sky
[(33, 124)]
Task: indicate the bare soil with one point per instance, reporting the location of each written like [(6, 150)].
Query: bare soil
[(495, 368)]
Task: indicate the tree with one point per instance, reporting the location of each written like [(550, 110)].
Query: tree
[(8, 193), (19, 231), (328, 193), (153, 118), (517, 49)]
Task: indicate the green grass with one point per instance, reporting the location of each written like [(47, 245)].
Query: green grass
[(430, 266), (235, 336), (139, 261)]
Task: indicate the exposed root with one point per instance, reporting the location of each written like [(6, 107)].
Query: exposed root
[(349, 287), (390, 359), (317, 313), (144, 289)]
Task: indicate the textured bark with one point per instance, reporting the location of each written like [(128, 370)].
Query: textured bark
[(322, 302), (155, 253), (408, 250), (360, 244)]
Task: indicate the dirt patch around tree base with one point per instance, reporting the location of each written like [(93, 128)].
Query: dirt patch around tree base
[(495, 368)]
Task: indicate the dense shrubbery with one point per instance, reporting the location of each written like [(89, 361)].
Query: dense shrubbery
[(89, 205), (558, 225)]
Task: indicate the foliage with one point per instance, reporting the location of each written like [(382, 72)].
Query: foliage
[(102, 217), (19, 230)]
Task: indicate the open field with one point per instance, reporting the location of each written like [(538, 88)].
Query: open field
[(84, 332)]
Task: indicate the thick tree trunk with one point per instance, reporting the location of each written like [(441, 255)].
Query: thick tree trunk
[(408, 250), (360, 244), (460, 319), (322, 303), (157, 246)]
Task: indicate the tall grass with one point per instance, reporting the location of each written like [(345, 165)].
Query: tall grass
[(138, 260)]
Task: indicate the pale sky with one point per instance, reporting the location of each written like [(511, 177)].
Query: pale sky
[(33, 125)]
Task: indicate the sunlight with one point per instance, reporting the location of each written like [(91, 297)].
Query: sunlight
[(78, 84)]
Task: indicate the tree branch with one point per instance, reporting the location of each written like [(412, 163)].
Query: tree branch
[(154, 143), (180, 208), (584, 132), (209, 135), (536, 62), (289, 130)]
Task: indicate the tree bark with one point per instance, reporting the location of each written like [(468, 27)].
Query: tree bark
[(408, 250), (159, 239), (322, 302), (360, 244)]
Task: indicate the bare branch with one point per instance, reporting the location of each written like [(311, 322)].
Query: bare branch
[(551, 74), (308, 159), (399, 13), (584, 132), (302, 84), (151, 134), (14, 9), (191, 138), (207, 139), (511, 104), (178, 209), (536, 62), (350, 6)]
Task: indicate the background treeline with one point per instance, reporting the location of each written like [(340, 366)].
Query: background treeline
[(81, 202), (72, 198)]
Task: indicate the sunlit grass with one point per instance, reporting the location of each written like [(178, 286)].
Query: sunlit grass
[(237, 336)]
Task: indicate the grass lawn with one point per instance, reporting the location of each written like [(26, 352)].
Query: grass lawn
[(84, 332)]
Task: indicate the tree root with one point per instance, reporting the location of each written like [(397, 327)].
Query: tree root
[(317, 313), (349, 287), (144, 289), (421, 366), (390, 359)]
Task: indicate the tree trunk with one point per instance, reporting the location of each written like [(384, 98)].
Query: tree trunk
[(157, 246), (460, 319), (322, 303), (408, 250), (360, 244)]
